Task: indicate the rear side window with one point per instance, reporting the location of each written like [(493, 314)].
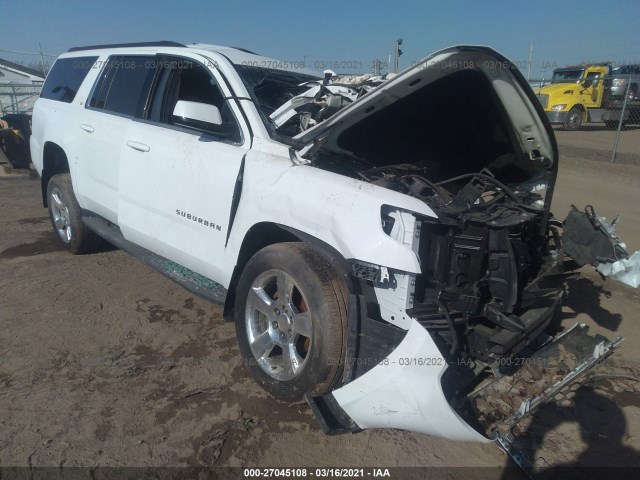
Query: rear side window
[(124, 84), (65, 78)]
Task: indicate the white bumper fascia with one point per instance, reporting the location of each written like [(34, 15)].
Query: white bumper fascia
[(404, 392)]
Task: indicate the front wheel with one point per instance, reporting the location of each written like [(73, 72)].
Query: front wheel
[(574, 119), (291, 318)]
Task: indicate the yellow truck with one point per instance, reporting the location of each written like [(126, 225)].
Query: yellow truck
[(578, 94)]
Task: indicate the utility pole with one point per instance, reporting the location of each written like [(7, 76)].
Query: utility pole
[(530, 57), (42, 59), (398, 52), (376, 66)]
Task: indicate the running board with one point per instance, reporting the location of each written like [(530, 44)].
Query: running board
[(192, 281)]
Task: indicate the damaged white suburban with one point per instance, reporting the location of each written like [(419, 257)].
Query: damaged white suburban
[(384, 245)]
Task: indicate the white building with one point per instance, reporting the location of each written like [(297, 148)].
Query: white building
[(19, 87), (11, 72)]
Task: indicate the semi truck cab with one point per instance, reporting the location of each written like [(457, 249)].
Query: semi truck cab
[(575, 95)]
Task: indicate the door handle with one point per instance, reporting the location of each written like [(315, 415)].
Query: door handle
[(141, 147), (86, 127)]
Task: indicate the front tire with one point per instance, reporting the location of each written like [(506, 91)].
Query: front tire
[(291, 319), (574, 119), (66, 217)]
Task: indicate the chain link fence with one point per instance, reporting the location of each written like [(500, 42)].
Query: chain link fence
[(18, 97), (621, 95)]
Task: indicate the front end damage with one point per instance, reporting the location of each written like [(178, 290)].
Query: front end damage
[(457, 348)]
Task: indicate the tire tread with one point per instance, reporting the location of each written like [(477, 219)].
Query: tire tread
[(85, 241)]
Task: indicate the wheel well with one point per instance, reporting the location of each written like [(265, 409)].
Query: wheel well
[(54, 161), (259, 236), (264, 234)]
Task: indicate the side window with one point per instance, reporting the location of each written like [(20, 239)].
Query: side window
[(123, 86), (65, 78), (101, 86), (592, 79), (188, 81)]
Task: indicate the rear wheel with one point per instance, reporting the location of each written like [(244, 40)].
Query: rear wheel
[(66, 217), (574, 119), (291, 318)]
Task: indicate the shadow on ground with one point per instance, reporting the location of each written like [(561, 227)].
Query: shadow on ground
[(602, 428), (583, 296)]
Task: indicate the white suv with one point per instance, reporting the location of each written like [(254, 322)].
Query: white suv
[(378, 242)]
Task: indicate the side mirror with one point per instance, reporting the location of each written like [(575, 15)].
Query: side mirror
[(586, 83), (186, 113)]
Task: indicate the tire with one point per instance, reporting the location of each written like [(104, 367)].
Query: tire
[(66, 218), (574, 119), (296, 346)]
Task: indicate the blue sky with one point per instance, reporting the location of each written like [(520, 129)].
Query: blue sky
[(352, 33)]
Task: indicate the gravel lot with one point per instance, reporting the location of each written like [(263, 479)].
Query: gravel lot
[(104, 362)]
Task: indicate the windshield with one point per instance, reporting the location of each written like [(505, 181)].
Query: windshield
[(272, 88), (570, 76)]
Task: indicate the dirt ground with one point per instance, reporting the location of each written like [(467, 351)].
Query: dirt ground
[(594, 141), (104, 362)]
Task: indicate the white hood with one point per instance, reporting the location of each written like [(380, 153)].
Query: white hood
[(529, 124)]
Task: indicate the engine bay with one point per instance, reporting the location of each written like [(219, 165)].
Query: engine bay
[(479, 260)]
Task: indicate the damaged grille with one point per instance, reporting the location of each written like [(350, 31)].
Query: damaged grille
[(471, 294)]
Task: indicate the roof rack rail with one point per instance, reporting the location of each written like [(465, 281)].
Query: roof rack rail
[(244, 50), (162, 43)]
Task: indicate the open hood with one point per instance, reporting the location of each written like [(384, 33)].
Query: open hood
[(466, 66)]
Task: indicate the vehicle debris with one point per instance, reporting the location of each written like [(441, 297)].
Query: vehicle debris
[(505, 402), (591, 239), (320, 99), (625, 270)]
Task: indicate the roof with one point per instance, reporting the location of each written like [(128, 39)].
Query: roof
[(161, 43), (585, 65), (21, 68), (237, 55)]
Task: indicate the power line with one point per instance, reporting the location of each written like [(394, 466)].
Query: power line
[(39, 54)]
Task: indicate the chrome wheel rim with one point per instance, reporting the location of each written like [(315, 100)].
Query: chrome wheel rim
[(278, 324), (60, 214), (574, 120)]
